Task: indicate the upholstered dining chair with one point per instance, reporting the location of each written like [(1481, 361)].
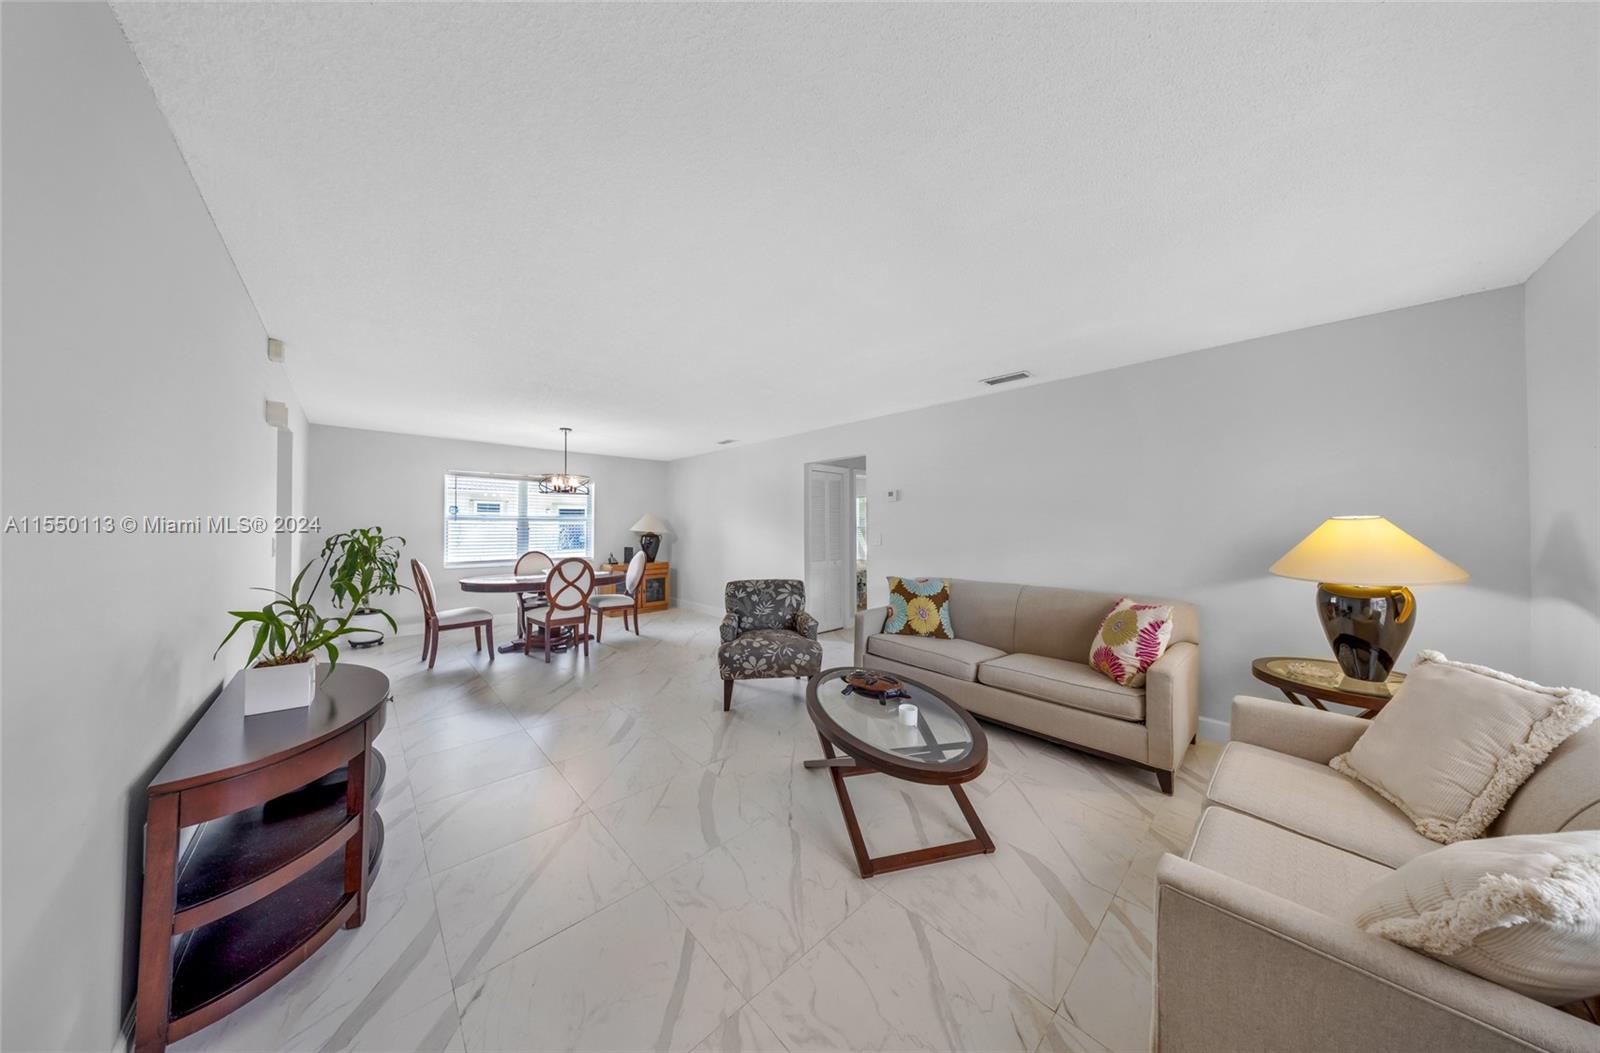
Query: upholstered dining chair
[(567, 591), (434, 621), (531, 562), (626, 601), (766, 633)]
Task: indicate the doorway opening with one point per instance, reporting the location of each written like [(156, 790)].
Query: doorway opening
[(283, 543), (836, 541)]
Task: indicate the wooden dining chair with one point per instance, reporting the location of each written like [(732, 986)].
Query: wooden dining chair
[(567, 591), (434, 621), (627, 601), (531, 562)]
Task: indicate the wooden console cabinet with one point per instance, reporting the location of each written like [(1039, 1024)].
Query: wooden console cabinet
[(656, 586), (286, 845)]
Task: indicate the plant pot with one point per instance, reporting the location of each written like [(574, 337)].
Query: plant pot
[(372, 628), (275, 687)]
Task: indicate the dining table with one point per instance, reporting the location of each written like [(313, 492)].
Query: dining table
[(523, 584)]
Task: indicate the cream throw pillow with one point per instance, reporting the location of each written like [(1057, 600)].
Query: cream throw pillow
[(1131, 638), (1457, 740), (1521, 911)]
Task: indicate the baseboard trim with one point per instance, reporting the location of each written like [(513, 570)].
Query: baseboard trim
[(1213, 730)]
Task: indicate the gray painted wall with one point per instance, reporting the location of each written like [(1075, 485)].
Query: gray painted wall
[(365, 478), (135, 370), (1186, 476), (1563, 341), (1183, 477)]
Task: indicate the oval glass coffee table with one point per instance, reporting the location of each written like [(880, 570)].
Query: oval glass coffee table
[(945, 747)]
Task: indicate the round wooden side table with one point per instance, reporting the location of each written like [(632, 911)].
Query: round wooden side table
[(1313, 681)]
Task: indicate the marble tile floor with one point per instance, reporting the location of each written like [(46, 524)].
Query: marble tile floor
[(591, 855)]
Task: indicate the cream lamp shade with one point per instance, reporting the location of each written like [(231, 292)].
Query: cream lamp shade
[(649, 524), (1367, 551)]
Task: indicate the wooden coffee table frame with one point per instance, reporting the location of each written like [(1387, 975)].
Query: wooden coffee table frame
[(862, 758)]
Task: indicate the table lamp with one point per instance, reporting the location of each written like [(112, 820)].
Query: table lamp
[(649, 529), (1361, 565)]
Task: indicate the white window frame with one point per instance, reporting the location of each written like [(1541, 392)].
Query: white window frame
[(528, 484)]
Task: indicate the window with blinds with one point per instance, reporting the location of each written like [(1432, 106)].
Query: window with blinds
[(496, 518)]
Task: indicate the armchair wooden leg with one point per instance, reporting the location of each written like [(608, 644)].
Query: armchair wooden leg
[(1164, 780), (727, 695)]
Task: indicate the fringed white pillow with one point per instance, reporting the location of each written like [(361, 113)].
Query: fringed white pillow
[(1457, 740), (1521, 911)]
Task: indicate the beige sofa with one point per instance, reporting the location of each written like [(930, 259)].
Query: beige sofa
[(1254, 949), (1021, 659)]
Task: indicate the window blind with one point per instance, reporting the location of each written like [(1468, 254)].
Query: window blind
[(496, 518)]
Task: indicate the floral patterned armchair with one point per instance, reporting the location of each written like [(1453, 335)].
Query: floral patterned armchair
[(766, 633)]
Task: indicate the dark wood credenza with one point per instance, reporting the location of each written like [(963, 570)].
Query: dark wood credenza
[(287, 842)]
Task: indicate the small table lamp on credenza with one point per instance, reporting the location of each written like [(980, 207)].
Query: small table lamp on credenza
[(1361, 565), (649, 529)]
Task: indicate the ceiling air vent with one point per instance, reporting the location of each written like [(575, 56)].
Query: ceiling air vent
[(726, 442), (1006, 378)]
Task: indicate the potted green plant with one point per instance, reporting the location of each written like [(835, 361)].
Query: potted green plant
[(365, 564), (290, 633)]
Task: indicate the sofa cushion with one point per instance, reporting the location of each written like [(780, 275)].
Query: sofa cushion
[(1563, 793), (985, 612), (1521, 911), (1314, 800), (1299, 869), (764, 603), (954, 658), (1458, 740), (1067, 683), (1062, 623), (764, 653)]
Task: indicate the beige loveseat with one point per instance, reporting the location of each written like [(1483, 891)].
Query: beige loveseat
[(1020, 658), (1254, 948)]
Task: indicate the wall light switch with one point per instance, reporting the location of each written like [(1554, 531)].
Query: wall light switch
[(891, 495)]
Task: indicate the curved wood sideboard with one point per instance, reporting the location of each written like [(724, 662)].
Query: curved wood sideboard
[(285, 850)]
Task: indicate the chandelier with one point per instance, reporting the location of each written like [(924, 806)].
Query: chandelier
[(565, 482)]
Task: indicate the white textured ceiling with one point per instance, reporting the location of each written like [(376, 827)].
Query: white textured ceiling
[(670, 224)]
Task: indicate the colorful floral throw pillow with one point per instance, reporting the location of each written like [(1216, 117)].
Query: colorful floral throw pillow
[(1130, 640), (919, 607)]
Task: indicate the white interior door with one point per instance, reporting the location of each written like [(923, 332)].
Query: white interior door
[(829, 553)]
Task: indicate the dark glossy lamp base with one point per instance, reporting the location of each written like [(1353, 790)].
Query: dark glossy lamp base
[(1367, 627)]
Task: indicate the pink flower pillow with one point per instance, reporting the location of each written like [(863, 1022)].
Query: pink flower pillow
[(1130, 640)]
